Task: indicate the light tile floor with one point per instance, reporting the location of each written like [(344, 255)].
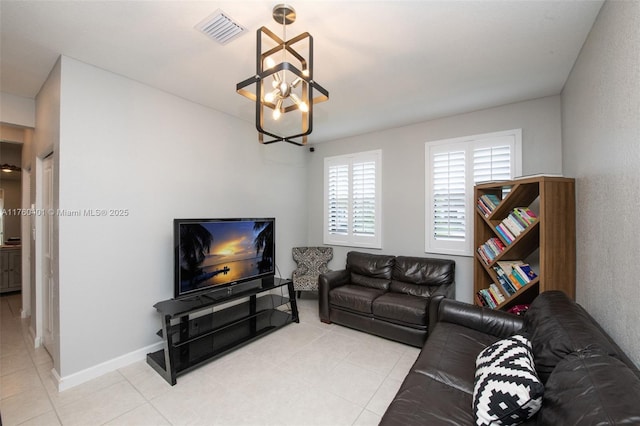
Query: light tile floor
[(303, 374)]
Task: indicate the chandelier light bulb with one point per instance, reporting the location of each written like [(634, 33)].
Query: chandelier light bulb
[(271, 96), (302, 106), (278, 111), (270, 62)]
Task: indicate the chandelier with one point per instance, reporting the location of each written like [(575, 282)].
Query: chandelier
[(284, 93)]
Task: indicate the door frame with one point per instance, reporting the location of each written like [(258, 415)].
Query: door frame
[(38, 253), (27, 231), (47, 276)]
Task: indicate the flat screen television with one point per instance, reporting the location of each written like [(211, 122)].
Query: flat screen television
[(215, 253)]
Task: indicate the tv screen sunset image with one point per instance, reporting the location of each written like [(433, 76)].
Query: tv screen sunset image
[(214, 253)]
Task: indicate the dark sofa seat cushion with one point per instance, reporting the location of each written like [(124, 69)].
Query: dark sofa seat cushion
[(354, 298), (557, 326), (591, 388), (425, 401), (402, 308), (449, 355)]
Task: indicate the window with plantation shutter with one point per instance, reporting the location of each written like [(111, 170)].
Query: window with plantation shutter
[(453, 167), (352, 200)]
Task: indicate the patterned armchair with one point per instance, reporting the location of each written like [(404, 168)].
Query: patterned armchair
[(312, 261)]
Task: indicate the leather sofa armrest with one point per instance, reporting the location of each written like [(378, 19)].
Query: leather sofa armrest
[(445, 290), (497, 323), (326, 282)]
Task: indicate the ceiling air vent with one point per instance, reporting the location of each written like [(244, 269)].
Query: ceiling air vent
[(220, 27)]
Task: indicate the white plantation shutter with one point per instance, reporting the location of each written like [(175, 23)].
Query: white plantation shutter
[(449, 205), (492, 163), (364, 198), (338, 199), (453, 167), (352, 200)]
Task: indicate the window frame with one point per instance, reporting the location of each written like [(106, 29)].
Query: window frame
[(468, 144), (350, 239)]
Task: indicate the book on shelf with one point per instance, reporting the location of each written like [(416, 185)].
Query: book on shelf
[(507, 268), (490, 250), (515, 277), (486, 299), (504, 281), (505, 233), (481, 300), (516, 222), (513, 226), (525, 272), (487, 203), (484, 209), (496, 293), (525, 215), (490, 297), (514, 273)]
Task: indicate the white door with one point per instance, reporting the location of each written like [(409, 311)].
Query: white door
[(47, 254)]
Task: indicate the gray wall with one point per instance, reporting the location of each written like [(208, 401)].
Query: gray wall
[(601, 146), (124, 145), (403, 172), (46, 140)]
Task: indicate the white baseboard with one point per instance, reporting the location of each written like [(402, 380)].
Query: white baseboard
[(71, 380), (37, 340)]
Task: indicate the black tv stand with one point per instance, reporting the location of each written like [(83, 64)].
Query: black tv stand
[(192, 340)]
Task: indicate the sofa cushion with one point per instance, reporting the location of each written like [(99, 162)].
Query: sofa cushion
[(371, 282), (449, 355), (354, 298), (401, 308), (372, 265), (420, 276), (557, 326), (591, 387), (422, 400), (507, 390)]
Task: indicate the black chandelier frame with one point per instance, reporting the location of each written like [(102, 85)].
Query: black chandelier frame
[(262, 73)]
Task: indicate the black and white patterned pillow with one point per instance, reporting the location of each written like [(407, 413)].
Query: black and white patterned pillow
[(507, 390)]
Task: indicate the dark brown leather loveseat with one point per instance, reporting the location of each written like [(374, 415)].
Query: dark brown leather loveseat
[(385, 295), (587, 378)]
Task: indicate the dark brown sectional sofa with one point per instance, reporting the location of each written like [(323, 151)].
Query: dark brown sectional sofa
[(388, 296), (587, 378)]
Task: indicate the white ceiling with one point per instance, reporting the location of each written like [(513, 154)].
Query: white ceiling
[(385, 63)]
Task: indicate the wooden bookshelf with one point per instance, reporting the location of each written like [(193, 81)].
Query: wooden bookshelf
[(548, 243)]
